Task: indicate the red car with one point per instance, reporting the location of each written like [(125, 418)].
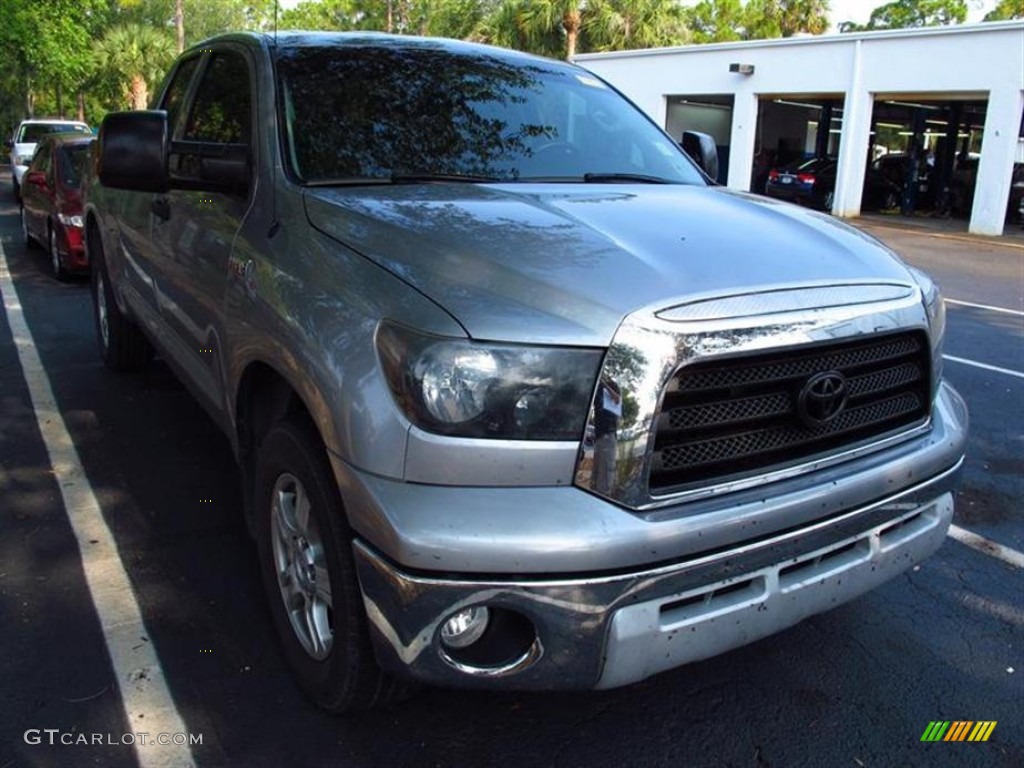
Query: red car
[(51, 201)]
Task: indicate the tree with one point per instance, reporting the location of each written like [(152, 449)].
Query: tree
[(137, 55), (785, 18), (902, 14), (541, 17), (200, 19), (616, 25), (504, 24), (718, 21), (50, 43), (1006, 10)]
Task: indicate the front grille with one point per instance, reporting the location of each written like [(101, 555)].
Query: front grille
[(727, 418)]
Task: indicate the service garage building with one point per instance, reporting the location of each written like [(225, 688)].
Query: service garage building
[(934, 113)]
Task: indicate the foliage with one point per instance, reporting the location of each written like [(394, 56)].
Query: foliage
[(138, 56), (1006, 10), (717, 21), (47, 46), (901, 14), (203, 18), (616, 25)]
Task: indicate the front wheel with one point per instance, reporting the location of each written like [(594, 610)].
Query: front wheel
[(305, 551)]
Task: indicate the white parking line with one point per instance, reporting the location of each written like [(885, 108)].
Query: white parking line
[(989, 307), (148, 705), (984, 366), (986, 546)]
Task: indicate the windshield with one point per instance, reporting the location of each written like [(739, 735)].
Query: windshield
[(31, 133), (382, 112)]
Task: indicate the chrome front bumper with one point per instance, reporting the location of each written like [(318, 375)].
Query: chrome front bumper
[(605, 631)]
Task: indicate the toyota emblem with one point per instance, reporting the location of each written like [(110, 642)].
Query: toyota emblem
[(822, 398)]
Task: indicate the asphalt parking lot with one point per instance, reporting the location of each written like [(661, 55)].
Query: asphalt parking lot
[(853, 687)]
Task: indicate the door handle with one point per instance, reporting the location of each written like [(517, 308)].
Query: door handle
[(161, 208)]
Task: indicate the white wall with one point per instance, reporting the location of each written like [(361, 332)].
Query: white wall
[(979, 60)]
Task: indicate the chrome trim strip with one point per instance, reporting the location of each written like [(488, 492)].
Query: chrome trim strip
[(648, 350), (531, 656), (785, 300)]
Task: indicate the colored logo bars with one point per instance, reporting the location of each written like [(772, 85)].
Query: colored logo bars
[(958, 730)]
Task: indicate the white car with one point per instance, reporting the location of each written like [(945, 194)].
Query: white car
[(25, 139)]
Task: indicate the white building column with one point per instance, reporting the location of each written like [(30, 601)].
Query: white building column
[(741, 141), (853, 142), (995, 169)]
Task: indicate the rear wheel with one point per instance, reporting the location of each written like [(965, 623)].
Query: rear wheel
[(305, 551), (55, 262), (830, 198), (26, 236), (122, 343)]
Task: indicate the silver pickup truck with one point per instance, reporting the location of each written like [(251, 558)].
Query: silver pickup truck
[(520, 399)]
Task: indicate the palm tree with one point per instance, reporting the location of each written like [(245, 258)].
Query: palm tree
[(137, 55), (541, 17), (616, 25), (503, 26)]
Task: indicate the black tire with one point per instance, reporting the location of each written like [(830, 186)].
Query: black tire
[(56, 264), (15, 188), (122, 344), (26, 237), (340, 674)]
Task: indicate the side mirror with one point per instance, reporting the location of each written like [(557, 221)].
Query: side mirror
[(701, 147), (133, 151), (9, 143), (38, 178)]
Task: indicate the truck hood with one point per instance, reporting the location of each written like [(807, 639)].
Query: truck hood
[(564, 263)]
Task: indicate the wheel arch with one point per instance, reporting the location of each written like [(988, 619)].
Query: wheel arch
[(263, 396)]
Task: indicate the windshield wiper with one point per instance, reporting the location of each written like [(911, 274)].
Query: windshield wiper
[(603, 178)]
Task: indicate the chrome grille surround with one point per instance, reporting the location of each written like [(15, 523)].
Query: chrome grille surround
[(649, 350)]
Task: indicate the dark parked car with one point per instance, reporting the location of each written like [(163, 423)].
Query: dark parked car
[(51, 201), (809, 182), (813, 182)]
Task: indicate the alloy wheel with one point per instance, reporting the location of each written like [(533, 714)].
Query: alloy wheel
[(301, 567)]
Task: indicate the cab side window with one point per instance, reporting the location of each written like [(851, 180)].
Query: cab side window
[(174, 96), (222, 111)]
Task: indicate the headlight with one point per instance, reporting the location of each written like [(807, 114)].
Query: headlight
[(935, 305), (71, 221), (476, 389)]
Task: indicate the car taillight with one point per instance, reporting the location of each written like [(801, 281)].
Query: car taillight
[(805, 178), (773, 175)]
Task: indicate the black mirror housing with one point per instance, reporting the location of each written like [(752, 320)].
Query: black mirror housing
[(701, 147), (133, 151)]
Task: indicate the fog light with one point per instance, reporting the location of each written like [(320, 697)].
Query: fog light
[(465, 627)]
